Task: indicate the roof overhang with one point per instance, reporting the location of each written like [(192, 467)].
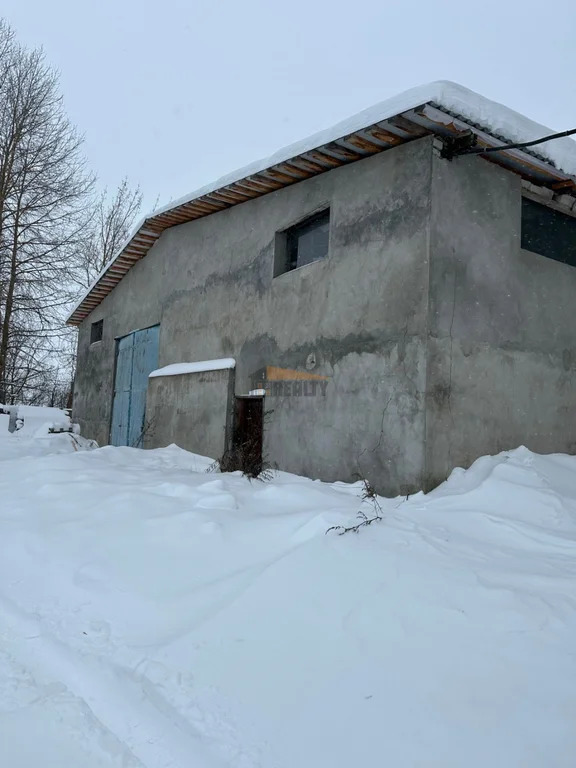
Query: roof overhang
[(425, 119)]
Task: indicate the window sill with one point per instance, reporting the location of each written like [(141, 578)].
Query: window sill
[(304, 266)]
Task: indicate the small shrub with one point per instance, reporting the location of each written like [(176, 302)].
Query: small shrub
[(247, 458), (368, 494)]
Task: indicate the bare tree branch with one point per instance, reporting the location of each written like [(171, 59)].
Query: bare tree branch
[(107, 228), (45, 193)]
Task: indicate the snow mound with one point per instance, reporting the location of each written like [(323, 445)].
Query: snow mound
[(37, 420), (35, 439), (155, 614)]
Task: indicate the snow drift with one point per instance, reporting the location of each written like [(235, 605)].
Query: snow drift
[(154, 614)]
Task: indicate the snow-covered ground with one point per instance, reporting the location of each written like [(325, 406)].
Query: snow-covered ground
[(33, 436), (156, 615)]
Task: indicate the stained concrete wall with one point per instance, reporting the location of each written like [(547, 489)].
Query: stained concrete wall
[(502, 343), (187, 409), (362, 312), (441, 339)]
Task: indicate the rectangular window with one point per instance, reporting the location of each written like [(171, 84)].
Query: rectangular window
[(303, 243), (548, 232), (96, 331)]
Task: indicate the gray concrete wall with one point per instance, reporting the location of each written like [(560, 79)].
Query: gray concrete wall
[(502, 344), (362, 313), (189, 407)]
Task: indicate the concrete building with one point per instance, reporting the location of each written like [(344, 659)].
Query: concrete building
[(406, 304)]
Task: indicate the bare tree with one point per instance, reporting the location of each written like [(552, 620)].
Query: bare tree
[(44, 197), (108, 226)]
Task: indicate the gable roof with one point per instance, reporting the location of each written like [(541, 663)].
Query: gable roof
[(441, 109)]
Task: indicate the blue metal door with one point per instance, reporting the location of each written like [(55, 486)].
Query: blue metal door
[(122, 386), (137, 357)]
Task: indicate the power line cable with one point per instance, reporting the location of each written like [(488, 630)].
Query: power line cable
[(486, 150)]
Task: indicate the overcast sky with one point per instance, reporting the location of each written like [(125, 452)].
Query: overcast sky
[(174, 94)]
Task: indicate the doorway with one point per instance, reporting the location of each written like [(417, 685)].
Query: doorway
[(136, 358), (248, 433)]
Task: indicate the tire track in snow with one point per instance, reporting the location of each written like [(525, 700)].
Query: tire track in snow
[(115, 699)]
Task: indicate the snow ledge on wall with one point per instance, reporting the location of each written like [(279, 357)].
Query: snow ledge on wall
[(178, 369)]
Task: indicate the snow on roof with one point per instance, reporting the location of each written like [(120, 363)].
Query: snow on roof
[(491, 116), (178, 369), (479, 112)]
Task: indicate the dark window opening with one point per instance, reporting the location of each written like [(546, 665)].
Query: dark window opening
[(248, 434), (96, 331), (548, 232), (303, 243)]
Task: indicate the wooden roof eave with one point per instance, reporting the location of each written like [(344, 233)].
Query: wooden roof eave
[(427, 119)]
